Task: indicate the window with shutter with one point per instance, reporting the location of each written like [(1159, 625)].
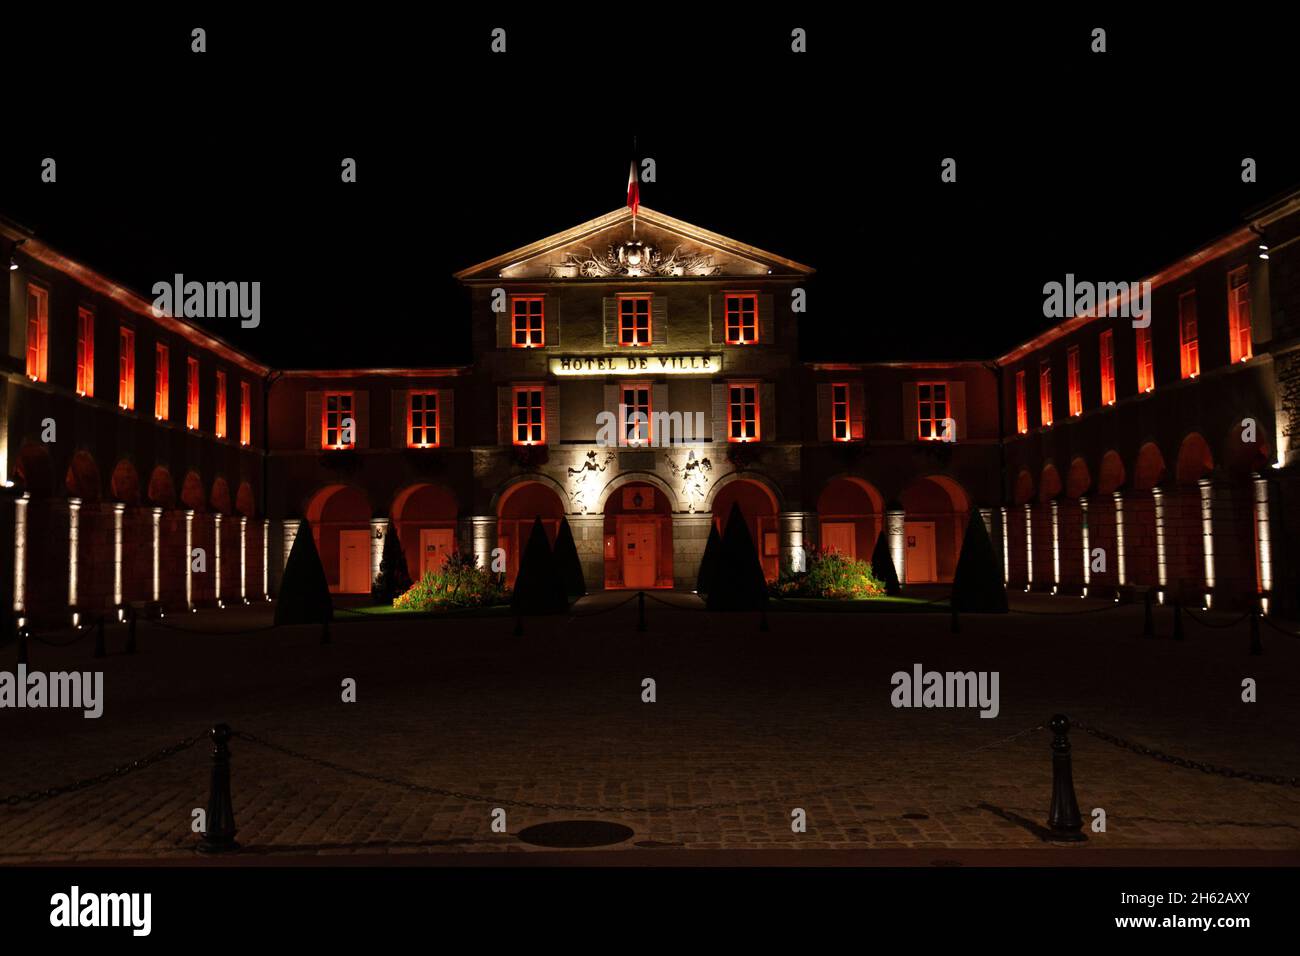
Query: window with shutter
[(422, 420), (245, 414), (1190, 351), (529, 423), (840, 428), (85, 352), (221, 404), (742, 412), (1145, 365), (1106, 347), (192, 393), (1022, 406), (528, 321), (1239, 345), (162, 382), (1072, 381), (634, 320), (38, 330), (1045, 392), (126, 369), (740, 310), (338, 420), (634, 406)]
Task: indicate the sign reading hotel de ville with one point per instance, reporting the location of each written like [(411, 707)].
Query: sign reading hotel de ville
[(655, 364)]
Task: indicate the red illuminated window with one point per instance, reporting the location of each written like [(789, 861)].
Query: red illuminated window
[(338, 426), (1072, 380), (1022, 411), (126, 368), (840, 413), (1146, 370), (635, 406), (1045, 392), (742, 411), (245, 414), (931, 409), (192, 393), (528, 317), (161, 382), (1107, 347), (422, 420), (634, 320), (741, 309), (38, 333), (221, 404), (1190, 351), (1239, 315), (85, 352), (530, 415)]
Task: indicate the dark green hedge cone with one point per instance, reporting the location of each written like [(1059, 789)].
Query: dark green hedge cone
[(737, 581), (304, 592), (566, 558), (709, 563), (394, 578), (539, 587), (882, 565), (977, 584)]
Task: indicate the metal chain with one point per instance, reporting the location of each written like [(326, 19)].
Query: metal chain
[(1204, 623), (1204, 767), (1278, 627), (35, 796)]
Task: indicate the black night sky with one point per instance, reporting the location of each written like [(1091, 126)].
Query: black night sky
[(226, 166)]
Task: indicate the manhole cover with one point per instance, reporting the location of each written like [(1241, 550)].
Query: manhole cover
[(575, 833)]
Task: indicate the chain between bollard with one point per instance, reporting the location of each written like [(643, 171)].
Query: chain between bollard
[(36, 796)]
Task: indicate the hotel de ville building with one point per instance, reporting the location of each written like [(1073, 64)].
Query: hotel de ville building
[(639, 376)]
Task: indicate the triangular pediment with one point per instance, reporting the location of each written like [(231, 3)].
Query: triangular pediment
[(606, 248)]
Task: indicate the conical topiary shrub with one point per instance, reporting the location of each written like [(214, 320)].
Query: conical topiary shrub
[(568, 563), (539, 587), (394, 579), (882, 565), (977, 584), (304, 593), (737, 582), (709, 563)]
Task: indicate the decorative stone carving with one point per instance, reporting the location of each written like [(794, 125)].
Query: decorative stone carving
[(693, 473), (634, 258)]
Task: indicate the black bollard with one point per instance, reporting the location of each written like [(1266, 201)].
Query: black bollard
[(955, 627), (1256, 645), (640, 610), (1063, 818), (1148, 617), (1178, 620), (22, 645), (100, 650), (325, 632), (220, 834), (130, 630)]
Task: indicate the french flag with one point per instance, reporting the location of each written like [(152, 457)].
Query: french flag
[(633, 189)]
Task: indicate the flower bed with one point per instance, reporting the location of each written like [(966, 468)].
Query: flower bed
[(458, 583), (829, 575)]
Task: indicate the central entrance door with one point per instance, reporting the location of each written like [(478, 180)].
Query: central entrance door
[(638, 550), (436, 545), (839, 536), (920, 559)]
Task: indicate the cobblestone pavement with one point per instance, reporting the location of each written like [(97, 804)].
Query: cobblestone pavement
[(752, 724)]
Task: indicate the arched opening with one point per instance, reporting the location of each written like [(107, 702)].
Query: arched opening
[(125, 483), (245, 503), (1150, 469), (638, 531), (192, 495), (1194, 460), (935, 511), (1111, 476), (162, 492), (221, 496), (340, 522), (1049, 486), (850, 511), (83, 477), (1245, 450), (1024, 488), (424, 518), (34, 470), (759, 508), (1078, 480), (520, 506)]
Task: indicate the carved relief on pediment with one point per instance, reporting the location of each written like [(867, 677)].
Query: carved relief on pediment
[(633, 257)]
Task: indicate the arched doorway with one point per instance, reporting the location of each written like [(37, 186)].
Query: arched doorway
[(424, 519), (521, 504), (849, 511), (1141, 536), (935, 512), (759, 508), (340, 523), (638, 538)]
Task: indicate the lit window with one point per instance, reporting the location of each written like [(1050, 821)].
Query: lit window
[(161, 382), (741, 309), (1239, 315), (338, 427), (742, 412), (85, 352), (931, 410), (530, 416), (1145, 368), (634, 320), (635, 407), (528, 317), (1072, 380), (38, 333), (245, 414), (422, 420), (192, 393), (1107, 347), (1045, 392), (1022, 411), (1190, 352), (126, 369), (221, 404), (840, 413)]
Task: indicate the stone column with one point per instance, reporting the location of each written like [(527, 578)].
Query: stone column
[(119, 510), (266, 558), (189, 559), (20, 553), (1029, 546), (1263, 541), (896, 528), (1006, 549), (378, 532), (1206, 486), (290, 528), (589, 540), (1162, 569), (1055, 517), (798, 537), (243, 559), (1119, 538), (74, 523), (1083, 533), (690, 535), (216, 558), (157, 553), (484, 538)]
